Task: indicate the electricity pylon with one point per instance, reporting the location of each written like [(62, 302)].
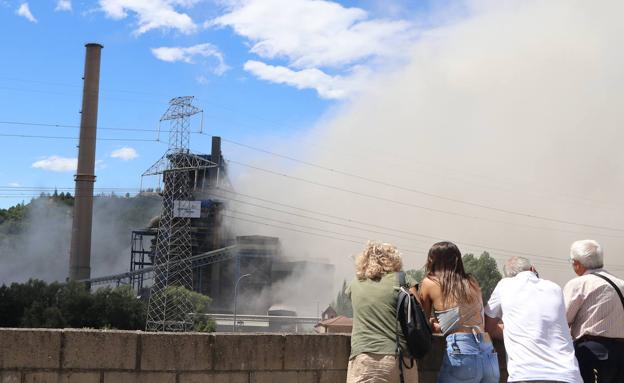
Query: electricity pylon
[(169, 307)]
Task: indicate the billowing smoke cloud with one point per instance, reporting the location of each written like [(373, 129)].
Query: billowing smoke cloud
[(515, 105), (41, 248)]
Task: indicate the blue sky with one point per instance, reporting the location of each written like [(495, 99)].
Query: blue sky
[(256, 67)]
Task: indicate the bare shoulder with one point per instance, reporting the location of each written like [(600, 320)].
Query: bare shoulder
[(427, 282), (429, 285)]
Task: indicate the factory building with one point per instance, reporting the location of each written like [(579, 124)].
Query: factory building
[(216, 276)]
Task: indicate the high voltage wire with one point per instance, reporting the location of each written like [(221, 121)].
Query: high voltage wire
[(324, 221), (555, 262), (491, 180), (537, 257), (403, 203), (274, 123), (294, 230), (76, 138), (62, 188), (388, 230), (331, 186), (364, 239), (417, 191), (77, 126), (432, 237)]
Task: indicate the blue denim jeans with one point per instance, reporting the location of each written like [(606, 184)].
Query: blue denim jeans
[(469, 359)]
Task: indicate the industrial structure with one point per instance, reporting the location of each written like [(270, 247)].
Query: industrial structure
[(80, 251), (187, 246)]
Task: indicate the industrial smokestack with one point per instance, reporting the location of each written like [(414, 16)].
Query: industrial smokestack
[(215, 156), (80, 252)]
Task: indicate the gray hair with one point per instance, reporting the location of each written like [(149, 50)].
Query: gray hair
[(516, 265), (588, 253)]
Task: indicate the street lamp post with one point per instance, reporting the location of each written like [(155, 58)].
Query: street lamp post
[(236, 298)]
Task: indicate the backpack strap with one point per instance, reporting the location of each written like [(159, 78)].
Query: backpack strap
[(401, 280), (609, 281), (402, 284)]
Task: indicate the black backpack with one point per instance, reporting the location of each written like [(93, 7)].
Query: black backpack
[(412, 321)]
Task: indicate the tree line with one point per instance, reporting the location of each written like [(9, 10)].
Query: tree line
[(62, 305)]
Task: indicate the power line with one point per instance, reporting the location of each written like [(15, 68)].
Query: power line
[(432, 237), (455, 171), (388, 230), (402, 203), (548, 263), (62, 188), (51, 125), (364, 239), (417, 191), (76, 138), (325, 221), (294, 230)]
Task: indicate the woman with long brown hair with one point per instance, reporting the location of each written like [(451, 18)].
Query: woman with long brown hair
[(454, 296)]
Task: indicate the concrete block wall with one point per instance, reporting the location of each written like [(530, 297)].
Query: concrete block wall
[(94, 356)]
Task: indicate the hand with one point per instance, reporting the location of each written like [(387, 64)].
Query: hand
[(435, 326)]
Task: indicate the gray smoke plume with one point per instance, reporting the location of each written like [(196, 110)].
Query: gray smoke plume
[(514, 105), (41, 249)]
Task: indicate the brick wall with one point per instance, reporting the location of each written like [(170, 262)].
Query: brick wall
[(93, 356)]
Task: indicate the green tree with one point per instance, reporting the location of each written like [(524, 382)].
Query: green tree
[(417, 275), (485, 270), (37, 304), (77, 305), (200, 302), (119, 308), (342, 304)]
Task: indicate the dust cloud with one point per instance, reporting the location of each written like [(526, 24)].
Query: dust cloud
[(41, 249), (513, 105)]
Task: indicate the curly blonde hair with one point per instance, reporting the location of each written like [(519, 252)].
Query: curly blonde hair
[(376, 260)]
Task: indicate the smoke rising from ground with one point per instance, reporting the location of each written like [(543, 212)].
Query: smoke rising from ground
[(41, 250), (514, 105)]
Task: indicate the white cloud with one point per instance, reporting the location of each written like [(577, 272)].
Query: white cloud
[(311, 35), (126, 153), (63, 5), (14, 184), (56, 164), (152, 14), (314, 33), (325, 85), (100, 164), (187, 55), (24, 11)]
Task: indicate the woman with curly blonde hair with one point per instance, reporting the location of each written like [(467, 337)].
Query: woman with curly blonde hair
[(374, 293)]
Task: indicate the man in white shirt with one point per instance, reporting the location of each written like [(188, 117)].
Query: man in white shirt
[(595, 313), (537, 339)]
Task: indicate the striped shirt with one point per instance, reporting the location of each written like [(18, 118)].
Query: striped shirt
[(593, 306)]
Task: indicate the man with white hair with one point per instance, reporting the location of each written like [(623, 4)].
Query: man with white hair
[(595, 313), (537, 340)]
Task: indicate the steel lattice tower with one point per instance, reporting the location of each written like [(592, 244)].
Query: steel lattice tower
[(168, 309)]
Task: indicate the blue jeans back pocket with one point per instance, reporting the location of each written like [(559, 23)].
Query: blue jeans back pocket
[(463, 366)]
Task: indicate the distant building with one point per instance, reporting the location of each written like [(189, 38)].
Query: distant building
[(339, 324), (329, 313)]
